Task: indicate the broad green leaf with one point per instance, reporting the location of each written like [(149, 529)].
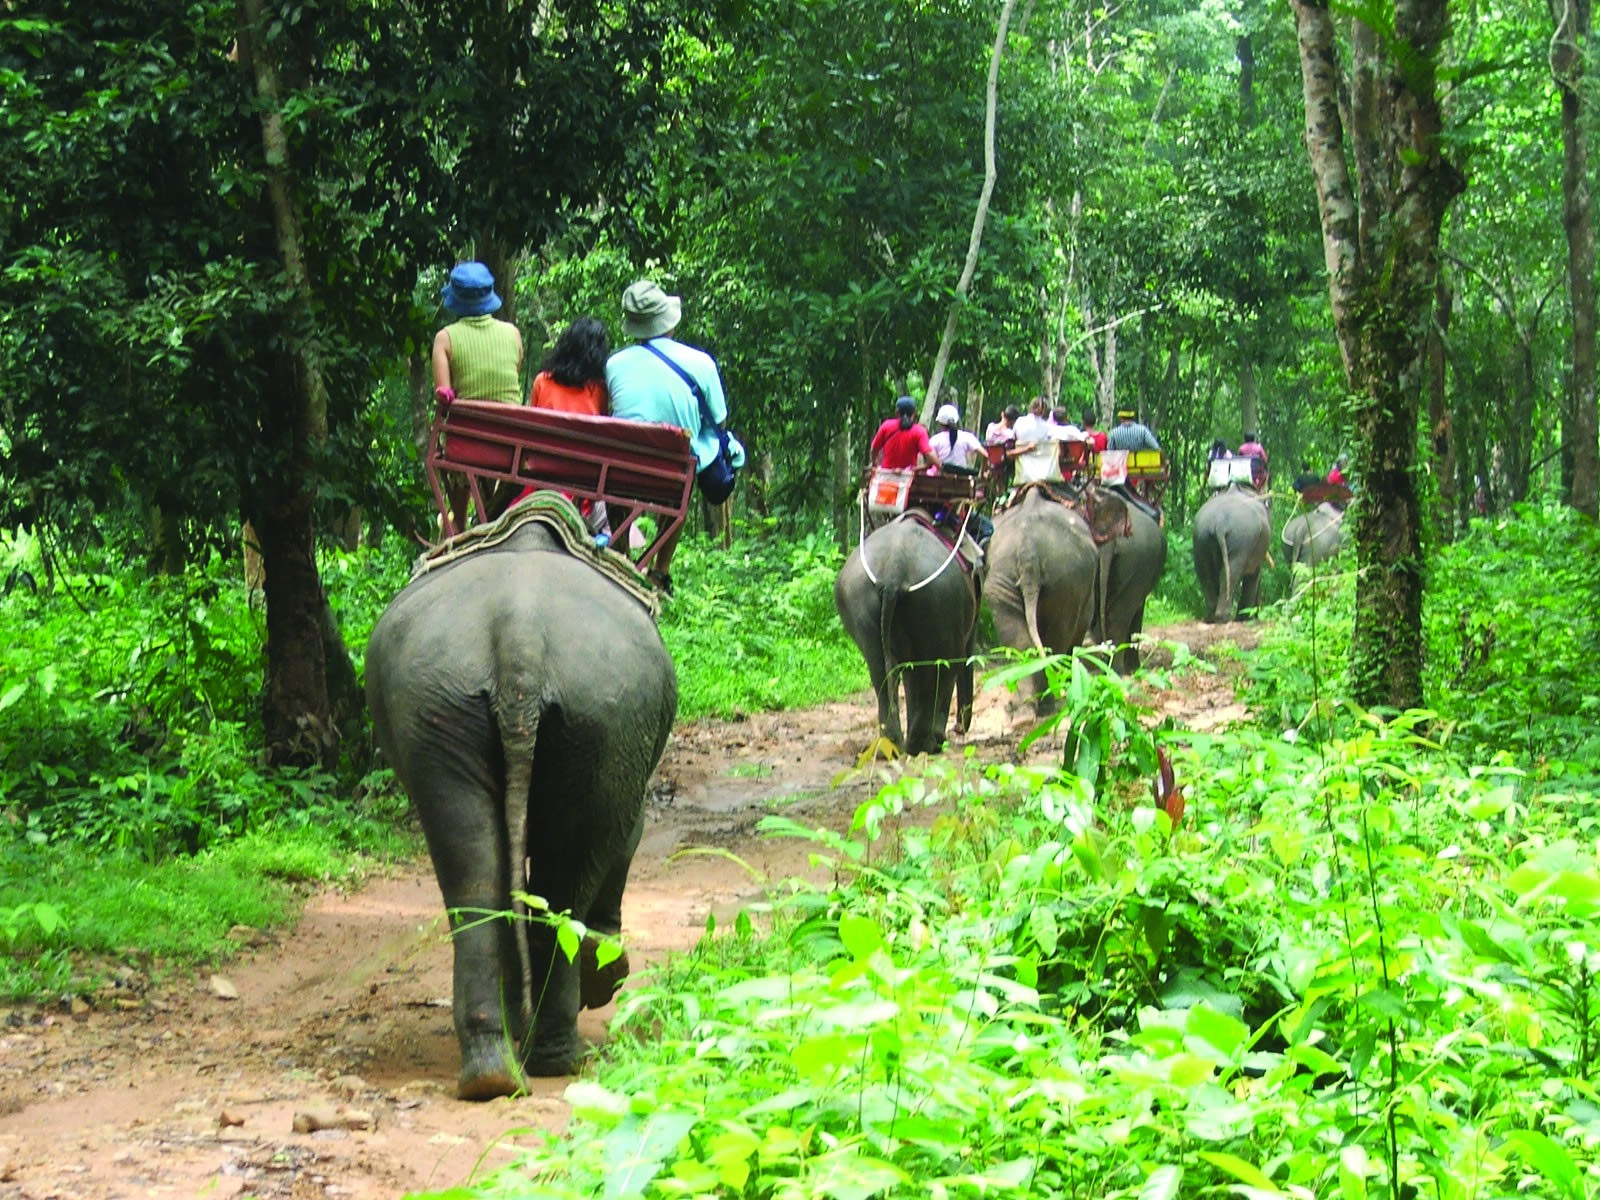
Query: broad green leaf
[(1042, 925), (12, 694), (1353, 1170), (1163, 1183), (1551, 1159), (860, 935), (636, 1149), (1241, 1170), (592, 1102), (1226, 1033)]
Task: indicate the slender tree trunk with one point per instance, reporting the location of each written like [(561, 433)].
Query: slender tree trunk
[(1582, 424), (1249, 409), (1444, 442), (298, 712), (990, 173)]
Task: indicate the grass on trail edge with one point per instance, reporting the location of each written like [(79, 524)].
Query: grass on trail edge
[(61, 936)]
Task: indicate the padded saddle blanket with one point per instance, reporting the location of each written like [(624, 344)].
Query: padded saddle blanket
[(560, 516)]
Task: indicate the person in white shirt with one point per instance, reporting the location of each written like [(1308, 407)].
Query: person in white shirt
[(1035, 447), (955, 448)]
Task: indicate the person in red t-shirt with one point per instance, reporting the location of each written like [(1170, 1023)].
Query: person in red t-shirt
[(901, 443), (1095, 437)]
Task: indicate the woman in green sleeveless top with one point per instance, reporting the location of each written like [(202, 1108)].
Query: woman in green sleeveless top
[(477, 357)]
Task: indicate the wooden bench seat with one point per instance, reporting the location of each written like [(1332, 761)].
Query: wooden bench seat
[(636, 468)]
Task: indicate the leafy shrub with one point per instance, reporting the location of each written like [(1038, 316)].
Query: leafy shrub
[(755, 628)]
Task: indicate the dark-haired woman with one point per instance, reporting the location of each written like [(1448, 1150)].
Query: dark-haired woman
[(573, 379), (573, 375)]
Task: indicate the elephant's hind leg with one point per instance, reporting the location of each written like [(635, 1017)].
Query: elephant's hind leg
[(466, 839)]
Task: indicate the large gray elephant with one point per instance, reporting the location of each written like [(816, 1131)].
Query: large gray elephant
[(522, 699), (1132, 567), (1040, 577), (912, 610), (1313, 537), (1232, 534)]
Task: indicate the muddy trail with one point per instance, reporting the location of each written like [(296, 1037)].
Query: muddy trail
[(197, 1087)]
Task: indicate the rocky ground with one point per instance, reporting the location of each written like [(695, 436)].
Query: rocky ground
[(321, 1063)]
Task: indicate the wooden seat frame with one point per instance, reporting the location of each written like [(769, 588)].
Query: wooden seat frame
[(636, 468)]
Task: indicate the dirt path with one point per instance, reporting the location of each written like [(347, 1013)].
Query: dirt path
[(181, 1092)]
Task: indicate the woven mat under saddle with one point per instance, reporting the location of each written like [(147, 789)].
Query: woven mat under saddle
[(560, 516)]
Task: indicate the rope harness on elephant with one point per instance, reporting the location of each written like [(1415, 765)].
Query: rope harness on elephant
[(921, 518), (560, 516)]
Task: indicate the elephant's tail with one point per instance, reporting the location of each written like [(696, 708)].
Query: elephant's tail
[(889, 598), (516, 749), (1225, 593), (1028, 585)]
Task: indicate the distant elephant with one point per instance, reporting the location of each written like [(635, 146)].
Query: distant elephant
[(1132, 567), (1039, 578), (912, 610), (522, 699), (1232, 533), (1313, 537)]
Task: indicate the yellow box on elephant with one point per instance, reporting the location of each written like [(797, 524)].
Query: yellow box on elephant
[(1144, 462)]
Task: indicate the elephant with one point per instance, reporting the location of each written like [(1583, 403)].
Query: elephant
[(1132, 566), (1313, 537), (517, 690), (912, 610), (1040, 577), (1232, 533)]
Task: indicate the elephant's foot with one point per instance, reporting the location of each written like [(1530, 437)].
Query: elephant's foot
[(596, 984), (488, 1070), (544, 1059)]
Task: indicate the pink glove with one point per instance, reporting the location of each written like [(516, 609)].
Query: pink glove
[(444, 396)]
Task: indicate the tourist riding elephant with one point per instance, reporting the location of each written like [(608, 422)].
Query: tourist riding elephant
[(1132, 567), (1041, 573), (522, 699), (1232, 533), (912, 610), (1313, 537)]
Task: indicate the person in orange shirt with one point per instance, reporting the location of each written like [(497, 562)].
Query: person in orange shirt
[(572, 379), (573, 376)]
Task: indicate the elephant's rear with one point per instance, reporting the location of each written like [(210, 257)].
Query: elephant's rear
[(1041, 577), (522, 700)]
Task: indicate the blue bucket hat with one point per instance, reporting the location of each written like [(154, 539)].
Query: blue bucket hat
[(470, 292)]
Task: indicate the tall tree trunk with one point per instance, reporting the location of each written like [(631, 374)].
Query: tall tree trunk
[(1380, 242), (1249, 409), (1582, 424), (1244, 51), (1444, 443), (990, 173), (298, 713)]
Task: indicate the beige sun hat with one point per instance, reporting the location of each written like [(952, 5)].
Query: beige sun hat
[(649, 312)]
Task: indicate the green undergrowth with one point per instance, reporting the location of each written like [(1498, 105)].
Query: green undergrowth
[(754, 627), (1512, 628), (142, 820), (1364, 967), (62, 934)]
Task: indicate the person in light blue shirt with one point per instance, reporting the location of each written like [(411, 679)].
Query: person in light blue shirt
[(644, 388)]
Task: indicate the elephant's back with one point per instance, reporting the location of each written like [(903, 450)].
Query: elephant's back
[(1046, 542), (538, 607)]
